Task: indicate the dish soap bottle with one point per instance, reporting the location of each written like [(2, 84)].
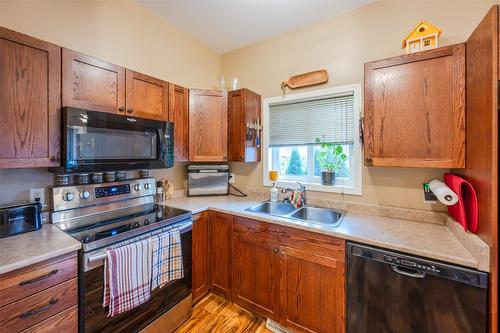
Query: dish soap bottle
[(273, 193)]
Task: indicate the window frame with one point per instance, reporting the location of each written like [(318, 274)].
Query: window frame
[(355, 186)]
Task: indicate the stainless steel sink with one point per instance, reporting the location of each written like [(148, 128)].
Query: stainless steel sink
[(318, 215), (272, 208), (314, 215)]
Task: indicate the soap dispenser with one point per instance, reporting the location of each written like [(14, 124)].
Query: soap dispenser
[(273, 192)]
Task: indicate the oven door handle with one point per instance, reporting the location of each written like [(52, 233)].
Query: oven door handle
[(102, 255), (97, 257)]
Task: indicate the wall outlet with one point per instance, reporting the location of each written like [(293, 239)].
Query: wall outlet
[(232, 178), (37, 193), (429, 197)]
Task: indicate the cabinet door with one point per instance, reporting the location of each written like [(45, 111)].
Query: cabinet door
[(255, 280), (220, 233), (415, 109), (200, 256), (178, 113), (92, 84), (30, 70), (312, 292), (243, 107), (146, 96), (207, 126)]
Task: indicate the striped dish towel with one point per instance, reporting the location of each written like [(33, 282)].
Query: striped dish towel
[(127, 277), (167, 258)]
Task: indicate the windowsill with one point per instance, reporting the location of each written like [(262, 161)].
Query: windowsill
[(337, 188)]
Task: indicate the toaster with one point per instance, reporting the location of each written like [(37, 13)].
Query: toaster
[(18, 218)]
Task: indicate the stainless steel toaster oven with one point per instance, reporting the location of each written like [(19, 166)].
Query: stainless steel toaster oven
[(208, 180)]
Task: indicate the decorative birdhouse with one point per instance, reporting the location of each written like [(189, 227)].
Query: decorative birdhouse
[(424, 37)]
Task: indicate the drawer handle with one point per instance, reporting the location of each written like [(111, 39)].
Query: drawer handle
[(33, 312), (40, 278)]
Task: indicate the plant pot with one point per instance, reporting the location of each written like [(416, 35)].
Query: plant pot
[(327, 177)]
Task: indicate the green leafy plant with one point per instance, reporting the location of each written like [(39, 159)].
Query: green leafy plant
[(331, 156)]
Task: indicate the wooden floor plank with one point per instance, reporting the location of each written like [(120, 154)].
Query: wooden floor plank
[(214, 313)]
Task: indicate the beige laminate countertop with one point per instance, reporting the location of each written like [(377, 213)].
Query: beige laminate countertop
[(429, 240), (35, 246)]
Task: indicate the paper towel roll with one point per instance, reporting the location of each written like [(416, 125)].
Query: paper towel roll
[(444, 194)]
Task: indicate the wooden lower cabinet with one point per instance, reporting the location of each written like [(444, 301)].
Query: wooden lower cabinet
[(312, 292), (200, 256), (220, 252), (41, 298), (291, 276), (256, 275)]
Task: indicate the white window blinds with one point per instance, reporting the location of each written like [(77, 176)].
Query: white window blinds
[(301, 122)]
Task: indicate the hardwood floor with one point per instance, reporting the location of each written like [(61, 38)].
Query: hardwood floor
[(214, 313)]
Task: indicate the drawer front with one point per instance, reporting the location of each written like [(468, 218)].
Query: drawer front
[(66, 321), (29, 280), (34, 309)]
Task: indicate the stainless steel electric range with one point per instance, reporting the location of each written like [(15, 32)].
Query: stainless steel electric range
[(101, 215)]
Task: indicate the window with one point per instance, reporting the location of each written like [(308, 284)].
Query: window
[(292, 125)]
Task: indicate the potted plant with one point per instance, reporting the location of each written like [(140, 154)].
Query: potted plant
[(331, 158)]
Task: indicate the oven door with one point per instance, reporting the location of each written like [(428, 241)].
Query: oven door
[(93, 316), (99, 141)]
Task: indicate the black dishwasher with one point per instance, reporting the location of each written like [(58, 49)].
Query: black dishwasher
[(389, 292)]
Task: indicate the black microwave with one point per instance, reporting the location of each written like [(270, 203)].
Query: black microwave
[(99, 141)]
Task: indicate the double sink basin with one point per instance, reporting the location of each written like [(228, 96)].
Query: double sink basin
[(314, 215)]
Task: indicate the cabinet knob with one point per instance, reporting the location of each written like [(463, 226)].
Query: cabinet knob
[(55, 159), (130, 110), (121, 109), (369, 160), (275, 250)]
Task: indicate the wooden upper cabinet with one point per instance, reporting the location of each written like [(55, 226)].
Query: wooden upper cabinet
[(92, 84), (30, 70), (146, 96), (178, 113), (415, 109), (244, 108), (200, 256), (220, 228), (207, 126)]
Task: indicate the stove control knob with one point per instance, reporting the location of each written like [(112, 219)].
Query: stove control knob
[(68, 196), (137, 225), (147, 186), (146, 221), (137, 187), (84, 195), (86, 239)]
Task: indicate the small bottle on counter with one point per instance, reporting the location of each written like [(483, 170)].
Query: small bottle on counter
[(273, 193), (159, 191)]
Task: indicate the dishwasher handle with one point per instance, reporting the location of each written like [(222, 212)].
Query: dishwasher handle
[(414, 273)]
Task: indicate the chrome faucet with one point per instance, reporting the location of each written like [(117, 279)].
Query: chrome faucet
[(302, 190)]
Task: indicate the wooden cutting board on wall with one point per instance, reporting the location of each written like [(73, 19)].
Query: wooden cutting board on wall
[(306, 79)]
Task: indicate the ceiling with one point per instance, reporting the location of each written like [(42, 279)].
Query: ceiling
[(225, 25)]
